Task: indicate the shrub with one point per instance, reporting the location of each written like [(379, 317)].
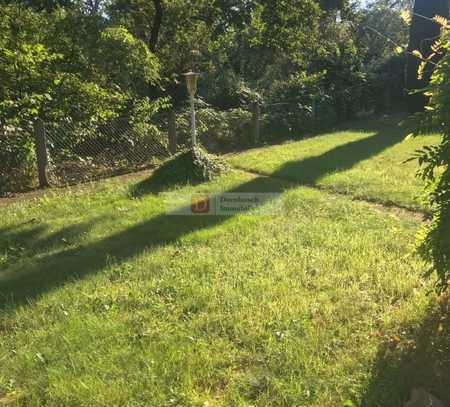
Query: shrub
[(217, 130), (298, 105), (290, 105), (17, 160), (435, 169)]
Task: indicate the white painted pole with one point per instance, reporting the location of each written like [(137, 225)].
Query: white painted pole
[(193, 124)]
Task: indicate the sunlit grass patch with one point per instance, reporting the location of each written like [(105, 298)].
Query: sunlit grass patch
[(108, 301), (367, 163)]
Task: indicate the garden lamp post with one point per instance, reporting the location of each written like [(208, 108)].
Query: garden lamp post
[(191, 82)]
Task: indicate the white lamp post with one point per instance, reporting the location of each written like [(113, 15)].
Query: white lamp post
[(191, 82)]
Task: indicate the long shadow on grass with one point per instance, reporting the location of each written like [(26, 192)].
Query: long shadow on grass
[(420, 360), (341, 158), (35, 237), (22, 282)]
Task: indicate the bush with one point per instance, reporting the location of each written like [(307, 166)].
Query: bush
[(386, 85), (298, 105), (17, 160), (190, 166), (435, 169), (217, 130), (290, 105)]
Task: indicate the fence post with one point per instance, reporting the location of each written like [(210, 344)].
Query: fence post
[(256, 122), (314, 113), (172, 132), (41, 153)]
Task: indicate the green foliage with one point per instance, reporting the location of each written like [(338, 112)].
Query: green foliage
[(435, 163), (90, 72), (290, 26), (26, 71), (381, 29), (381, 39), (82, 101), (126, 60), (141, 115), (423, 32), (291, 104), (17, 160), (90, 63), (217, 130), (386, 85), (65, 67)]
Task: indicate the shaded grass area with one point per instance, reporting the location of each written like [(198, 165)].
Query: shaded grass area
[(421, 359), (366, 162), (107, 301)]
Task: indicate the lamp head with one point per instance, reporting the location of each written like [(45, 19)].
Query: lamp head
[(191, 82)]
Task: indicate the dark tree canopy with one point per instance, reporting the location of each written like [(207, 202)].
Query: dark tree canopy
[(424, 32)]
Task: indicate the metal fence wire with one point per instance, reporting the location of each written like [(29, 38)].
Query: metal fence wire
[(79, 152), (69, 152)]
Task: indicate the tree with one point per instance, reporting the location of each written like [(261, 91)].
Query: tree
[(434, 162), (157, 21), (423, 33)]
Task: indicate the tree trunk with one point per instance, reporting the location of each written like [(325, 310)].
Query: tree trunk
[(157, 21), (423, 34)]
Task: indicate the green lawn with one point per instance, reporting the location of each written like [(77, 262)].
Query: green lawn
[(366, 162), (106, 301)]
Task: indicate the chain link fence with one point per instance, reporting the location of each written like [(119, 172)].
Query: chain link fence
[(69, 152), (78, 153)]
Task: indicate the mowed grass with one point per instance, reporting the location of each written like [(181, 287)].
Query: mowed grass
[(106, 301), (365, 162)]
